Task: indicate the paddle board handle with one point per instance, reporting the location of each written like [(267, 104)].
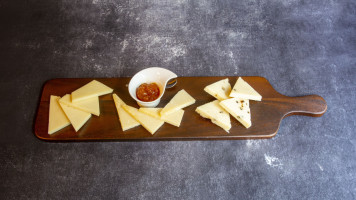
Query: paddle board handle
[(310, 105)]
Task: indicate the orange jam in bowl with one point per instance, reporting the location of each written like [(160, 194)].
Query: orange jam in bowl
[(147, 92)]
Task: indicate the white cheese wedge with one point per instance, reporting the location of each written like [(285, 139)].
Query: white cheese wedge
[(90, 105), (174, 118), (181, 100), (220, 90), (92, 89), (151, 124), (216, 114), (57, 118), (239, 109), (126, 121), (75, 116), (243, 90)]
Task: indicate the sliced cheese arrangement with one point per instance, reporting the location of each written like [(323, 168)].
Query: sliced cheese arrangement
[(92, 89), (216, 114), (238, 106), (151, 118), (181, 100), (90, 105), (126, 120), (239, 109), (77, 108), (57, 118), (174, 118), (220, 90), (243, 90), (149, 123)]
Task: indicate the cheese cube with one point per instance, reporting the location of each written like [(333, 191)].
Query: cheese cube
[(219, 90), (181, 100), (239, 109), (243, 90), (92, 89), (216, 114), (125, 118), (57, 118)]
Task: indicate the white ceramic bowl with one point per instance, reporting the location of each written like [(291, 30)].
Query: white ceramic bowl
[(157, 75)]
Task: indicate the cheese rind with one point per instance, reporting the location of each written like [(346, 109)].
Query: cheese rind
[(75, 116), (91, 89), (57, 118), (243, 90), (181, 100), (90, 105), (174, 118), (220, 90), (239, 109), (216, 114), (126, 120), (151, 124)]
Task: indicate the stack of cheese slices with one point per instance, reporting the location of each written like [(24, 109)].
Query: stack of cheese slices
[(153, 118), (76, 108), (235, 102)]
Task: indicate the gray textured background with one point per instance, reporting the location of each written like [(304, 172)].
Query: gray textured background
[(301, 47)]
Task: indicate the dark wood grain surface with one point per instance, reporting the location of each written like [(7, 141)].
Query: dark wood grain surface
[(265, 115)]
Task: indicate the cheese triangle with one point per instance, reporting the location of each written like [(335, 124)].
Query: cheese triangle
[(125, 118), (92, 89), (216, 114), (181, 100), (57, 118), (239, 109), (75, 116), (243, 90), (174, 118), (149, 123), (90, 105), (153, 112), (220, 90)]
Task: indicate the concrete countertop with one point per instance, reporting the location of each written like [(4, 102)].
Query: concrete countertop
[(301, 47)]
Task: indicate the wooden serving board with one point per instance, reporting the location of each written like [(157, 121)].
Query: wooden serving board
[(266, 115)]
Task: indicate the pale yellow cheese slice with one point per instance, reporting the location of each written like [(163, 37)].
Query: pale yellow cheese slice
[(90, 105), (239, 109), (57, 118), (181, 100), (216, 114), (220, 90), (149, 123), (153, 112), (243, 90), (174, 118), (92, 89), (125, 118), (75, 116)]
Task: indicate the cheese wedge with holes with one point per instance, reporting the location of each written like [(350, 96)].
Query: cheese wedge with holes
[(57, 118), (216, 114), (76, 117), (220, 90), (243, 90), (151, 124), (92, 89), (239, 109), (125, 118), (174, 118), (181, 100), (90, 105)]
